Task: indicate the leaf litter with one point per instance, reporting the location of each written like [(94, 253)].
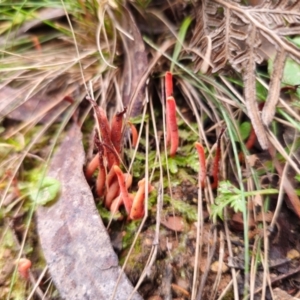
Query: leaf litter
[(173, 271)]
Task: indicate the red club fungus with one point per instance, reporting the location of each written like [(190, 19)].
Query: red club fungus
[(123, 189), (134, 134), (24, 265), (116, 130), (215, 171), (172, 129), (138, 206), (202, 164), (169, 84)]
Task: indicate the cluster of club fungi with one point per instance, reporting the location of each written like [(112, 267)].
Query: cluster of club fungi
[(112, 184)]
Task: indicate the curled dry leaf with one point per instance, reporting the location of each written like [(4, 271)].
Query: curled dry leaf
[(75, 242)]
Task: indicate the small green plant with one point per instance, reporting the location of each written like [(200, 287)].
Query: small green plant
[(229, 195)]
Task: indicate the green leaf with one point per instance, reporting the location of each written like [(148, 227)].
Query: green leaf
[(291, 72), (229, 195), (172, 165), (245, 129), (45, 191)]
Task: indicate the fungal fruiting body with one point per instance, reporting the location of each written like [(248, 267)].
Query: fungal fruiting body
[(105, 134), (111, 182), (169, 84), (24, 265), (114, 189), (168, 93), (215, 171), (116, 130), (134, 134), (172, 128), (127, 200), (138, 206), (202, 164), (92, 167)]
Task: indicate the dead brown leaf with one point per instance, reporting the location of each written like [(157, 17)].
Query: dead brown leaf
[(174, 223), (136, 65)]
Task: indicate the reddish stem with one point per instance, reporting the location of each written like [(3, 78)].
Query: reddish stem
[(202, 164), (215, 172), (172, 129)]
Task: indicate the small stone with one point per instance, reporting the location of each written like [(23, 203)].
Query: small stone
[(215, 267), (293, 254)]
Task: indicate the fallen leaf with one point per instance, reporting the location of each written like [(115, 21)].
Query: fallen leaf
[(174, 223), (41, 106), (75, 242)]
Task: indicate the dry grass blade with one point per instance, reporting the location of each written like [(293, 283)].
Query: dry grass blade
[(136, 65)]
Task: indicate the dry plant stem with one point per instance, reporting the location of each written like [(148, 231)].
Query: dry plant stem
[(123, 189), (202, 163), (172, 125), (116, 131), (215, 171), (199, 239), (249, 91), (292, 200), (281, 277), (210, 254), (134, 134), (234, 273), (274, 88), (221, 260), (36, 289)]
